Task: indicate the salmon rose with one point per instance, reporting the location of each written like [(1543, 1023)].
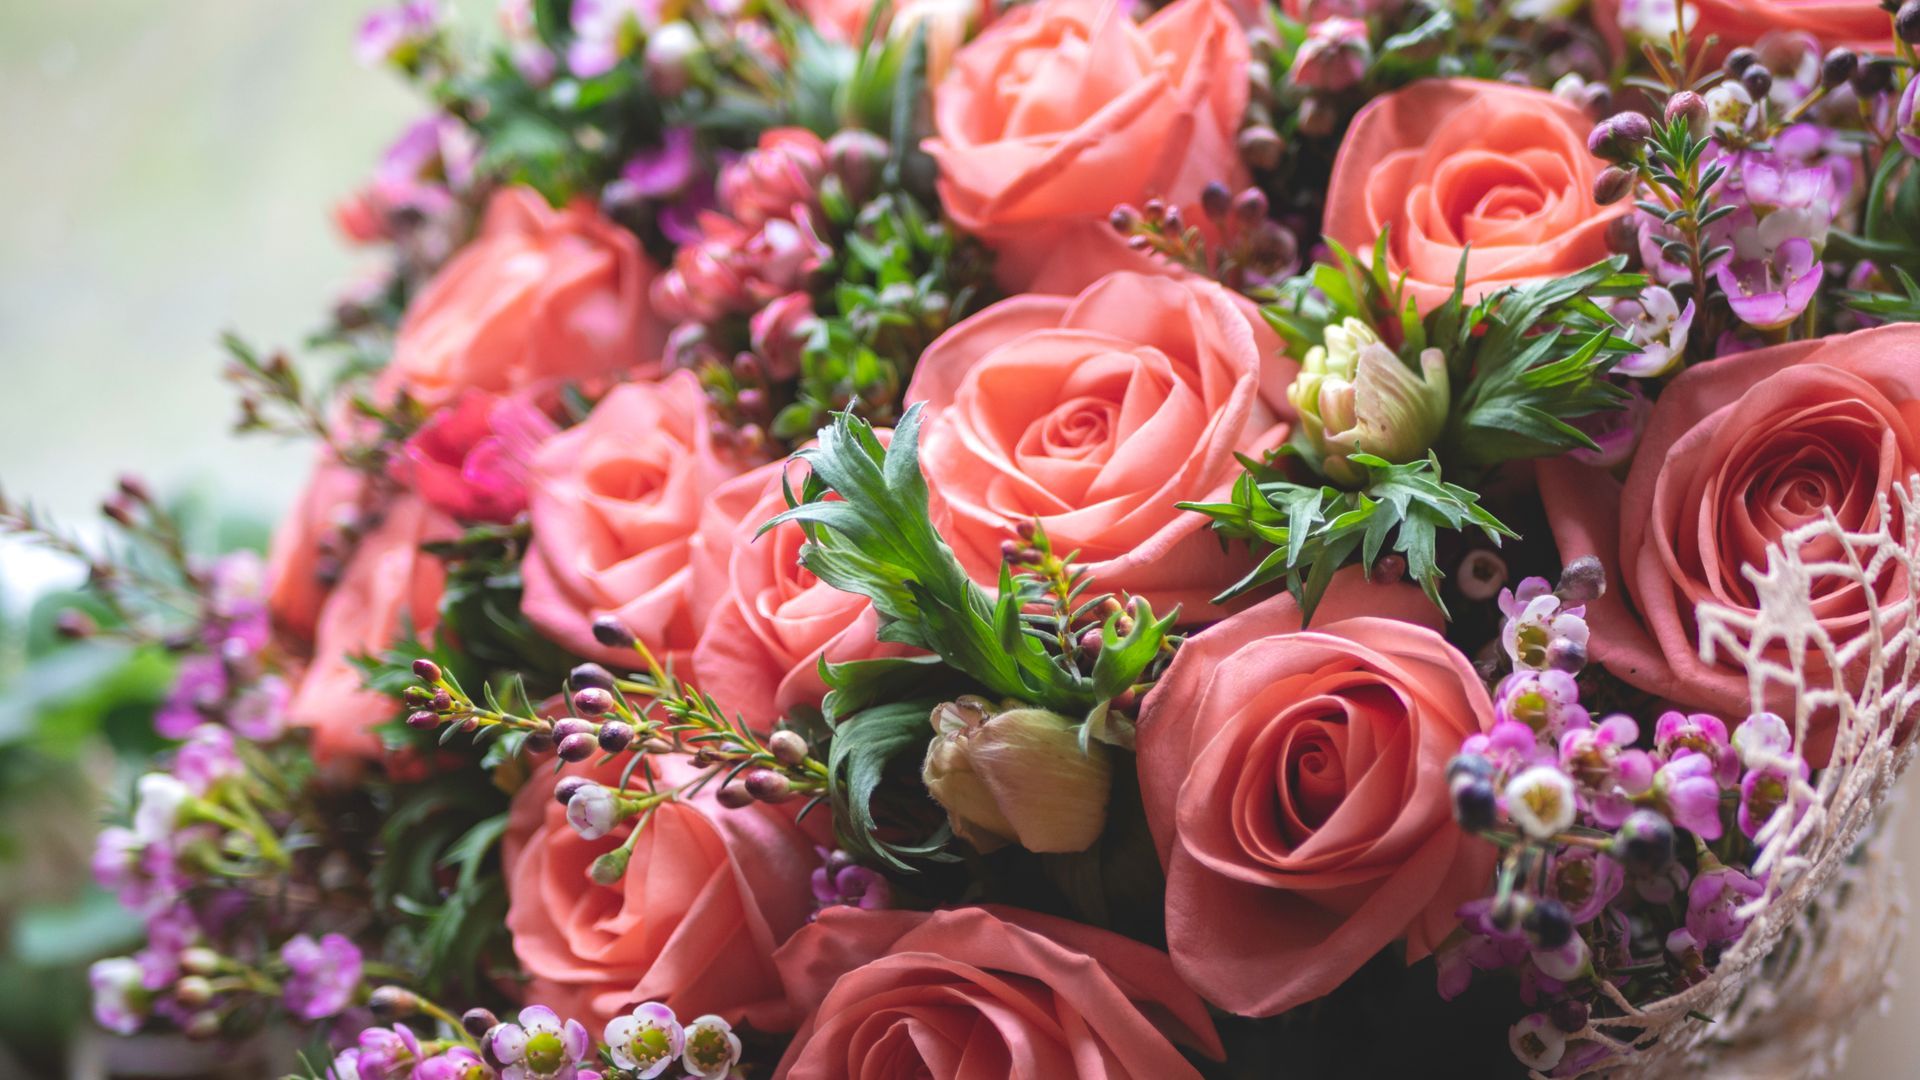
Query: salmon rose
[(708, 895), (1453, 167), (1862, 25), (1737, 453), (1066, 108), (542, 297), (1094, 415), (614, 504), (1295, 783), (985, 994), (303, 561)]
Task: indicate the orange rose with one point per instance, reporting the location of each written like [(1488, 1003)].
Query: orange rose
[(771, 621), (1862, 25), (540, 298), (1737, 453), (708, 896), (1095, 415), (1296, 786), (1448, 167), (388, 584), (1065, 109), (300, 562), (614, 503), (984, 994)]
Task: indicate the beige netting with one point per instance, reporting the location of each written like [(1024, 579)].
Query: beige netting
[(1817, 953)]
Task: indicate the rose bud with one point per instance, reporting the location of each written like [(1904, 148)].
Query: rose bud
[(1017, 776)]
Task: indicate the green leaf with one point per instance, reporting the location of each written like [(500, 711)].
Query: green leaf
[(865, 747)]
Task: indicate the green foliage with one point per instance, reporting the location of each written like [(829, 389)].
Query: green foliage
[(437, 870), (869, 746), (1890, 237)]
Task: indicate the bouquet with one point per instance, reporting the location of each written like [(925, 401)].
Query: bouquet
[(1062, 539)]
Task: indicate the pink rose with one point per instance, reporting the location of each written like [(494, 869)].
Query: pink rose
[(772, 621), (1739, 452), (1861, 25), (470, 460), (1295, 783), (308, 548), (614, 503), (1448, 167), (1094, 415), (540, 298), (984, 994), (1066, 108), (709, 895), (388, 585)]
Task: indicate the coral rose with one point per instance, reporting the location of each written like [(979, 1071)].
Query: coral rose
[(1094, 415), (540, 298), (303, 560), (471, 458), (708, 896), (1857, 24), (984, 994), (1737, 453), (1295, 783), (1066, 108), (614, 504), (1448, 167), (771, 621), (387, 586)]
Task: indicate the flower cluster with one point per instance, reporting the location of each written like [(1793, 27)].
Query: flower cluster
[(1627, 859), (537, 1044)]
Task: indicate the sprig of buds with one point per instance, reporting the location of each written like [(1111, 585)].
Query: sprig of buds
[(1253, 250)]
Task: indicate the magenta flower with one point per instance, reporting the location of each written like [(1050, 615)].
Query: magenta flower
[(1713, 903), (259, 712), (455, 1063), (1511, 746), (541, 1047), (1769, 289), (1656, 322), (471, 459), (606, 32), (120, 1002), (1615, 431), (395, 35), (1609, 771), (661, 172), (199, 690), (1536, 621), (1691, 795), (779, 332), (207, 758), (776, 179), (1906, 118), (1334, 57), (841, 881), (1548, 702), (1703, 733), (322, 975), (386, 1053), (1586, 882)]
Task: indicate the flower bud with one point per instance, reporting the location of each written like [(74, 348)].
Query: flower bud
[(1474, 803), (1906, 118), (1839, 66), (1582, 581), (75, 625), (734, 795), (857, 157), (1906, 22), (592, 701), (200, 960), (767, 785), (423, 720), (1355, 396), (204, 1025), (1613, 184), (1644, 842), (193, 991), (578, 746), (615, 736), (1017, 775), (1758, 81), (608, 869), (568, 787), (393, 1002), (1570, 1015), (1872, 78), (571, 725), (590, 675), (1215, 200), (1689, 108), (593, 811), (671, 51), (1739, 60), (1261, 146), (1334, 57), (788, 747), (426, 669), (1619, 137), (611, 632), (1549, 925), (478, 1021)]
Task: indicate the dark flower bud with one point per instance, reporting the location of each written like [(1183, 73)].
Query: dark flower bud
[(1250, 207), (788, 747), (1644, 843), (767, 785), (1613, 184), (426, 670), (1569, 1015), (1092, 641), (1619, 137), (590, 676), (75, 625), (1474, 804), (593, 701), (441, 701), (1872, 78), (1549, 924), (611, 632), (478, 1021), (393, 1002), (734, 795), (1840, 65), (1471, 766), (1906, 22), (1509, 911), (423, 720), (572, 725), (1566, 654), (539, 741), (1582, 581), (615, 736), (1261, 146), (568, 787), (1739, 60), (578, 746), (857, 157), (1758, 81), (1689, 108), (1123, 219), (134, 488), (1215, 200)]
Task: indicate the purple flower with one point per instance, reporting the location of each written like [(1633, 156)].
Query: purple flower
[(1546, 701), (1905, 121), (1609, 771), (1535, 621), (1713, 903), (1585, 882), (1703, 733), (345, 1066), (199, 688), (1691, 795), (1511, 746), (259, 712), (456, 1063), (119, 1000), (540, 1046), (841, 881), (387, 1053), (170, 932), (323, 975), (1768, 289), (1656, 322), (593, 811), (607, 31), (646, 1041), (664, 171), (1615, 431), (206, 758), (395, 35)]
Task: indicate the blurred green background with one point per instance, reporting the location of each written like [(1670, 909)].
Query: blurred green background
[(168, 174)]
